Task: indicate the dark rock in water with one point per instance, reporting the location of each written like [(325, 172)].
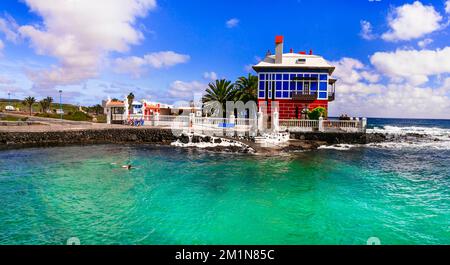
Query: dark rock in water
[(207, 139), (184, 139), (217, 140), (196, 139), (302, 145)]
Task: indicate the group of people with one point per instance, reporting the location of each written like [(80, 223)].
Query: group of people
[(135, 122), (344, 117)]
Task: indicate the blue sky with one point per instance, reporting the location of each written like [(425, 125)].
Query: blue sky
[(392, 57)]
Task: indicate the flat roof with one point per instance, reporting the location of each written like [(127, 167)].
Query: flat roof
[(296, 60)]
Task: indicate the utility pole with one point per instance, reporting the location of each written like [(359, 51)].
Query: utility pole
[(60, 104)]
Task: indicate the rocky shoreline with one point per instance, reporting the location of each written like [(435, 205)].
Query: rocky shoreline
[(298, 142)]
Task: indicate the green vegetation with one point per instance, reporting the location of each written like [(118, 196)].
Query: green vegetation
[(46, 104), (244, 89), (73, 116), (130, 98), (13, 118), (247, 88), (316, 113), (220, 91), (28, 102)]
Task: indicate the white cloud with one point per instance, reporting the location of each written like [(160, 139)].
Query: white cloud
[(231, 23), (359, 97), (412, 65), (8, 26), (6, 81), (186, 90), (411, 21), (210, 76), (447, 7), (351, 71), (80, 34), (396, 101), (424, 43), (136, 65), (2, 46), (366, 30)]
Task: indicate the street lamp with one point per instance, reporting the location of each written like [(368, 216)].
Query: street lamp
[(60, 105)]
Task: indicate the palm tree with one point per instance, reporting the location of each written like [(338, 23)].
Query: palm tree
[(29, 101), (43, 104), (97, 108), (46, 103), (247, 88), (220, 91), (49, 102), (130, 98)]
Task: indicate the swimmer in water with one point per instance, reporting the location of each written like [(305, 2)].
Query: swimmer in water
[(127, 167)]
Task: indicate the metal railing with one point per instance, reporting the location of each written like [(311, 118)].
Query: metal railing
[(301, 95)]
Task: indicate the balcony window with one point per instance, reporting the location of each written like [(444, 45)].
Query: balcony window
[(323, 95), (278, 85)]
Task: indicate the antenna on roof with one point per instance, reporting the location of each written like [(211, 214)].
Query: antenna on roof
[(268, 53)]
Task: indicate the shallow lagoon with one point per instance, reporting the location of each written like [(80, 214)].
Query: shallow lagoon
[(182, 196)]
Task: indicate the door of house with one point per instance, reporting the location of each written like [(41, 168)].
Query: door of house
[(306, 88)]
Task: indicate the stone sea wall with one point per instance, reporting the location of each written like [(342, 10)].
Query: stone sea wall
[(101, 136), (157, 136), (339, 138)]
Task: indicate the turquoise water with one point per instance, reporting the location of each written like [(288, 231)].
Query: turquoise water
[(180, 196)]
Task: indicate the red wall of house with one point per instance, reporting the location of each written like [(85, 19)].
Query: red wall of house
[(287, 107)]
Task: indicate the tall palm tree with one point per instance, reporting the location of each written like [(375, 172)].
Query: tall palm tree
[(247, 88), (49, 102), (29, 101), (220, 91), (130, 98), (44, 105)]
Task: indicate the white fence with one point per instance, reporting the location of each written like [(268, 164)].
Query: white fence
[(295, 125), (346, 126), (242, 126)]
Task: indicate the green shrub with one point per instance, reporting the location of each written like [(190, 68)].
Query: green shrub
[(316, 113)]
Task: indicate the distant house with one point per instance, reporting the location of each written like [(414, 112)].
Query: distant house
[(115, 111), (297, 81)]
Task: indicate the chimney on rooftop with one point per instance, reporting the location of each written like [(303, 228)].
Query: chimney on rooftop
[(310, 52), (279, 49)]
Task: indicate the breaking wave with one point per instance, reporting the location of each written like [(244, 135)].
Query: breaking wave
[(413, 137), (408, 137)]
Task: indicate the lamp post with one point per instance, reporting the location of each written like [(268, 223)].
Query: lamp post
[(60, 104), (9, 98)]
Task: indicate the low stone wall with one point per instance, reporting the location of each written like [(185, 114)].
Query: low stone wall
[(340, 138), (91, 136)]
